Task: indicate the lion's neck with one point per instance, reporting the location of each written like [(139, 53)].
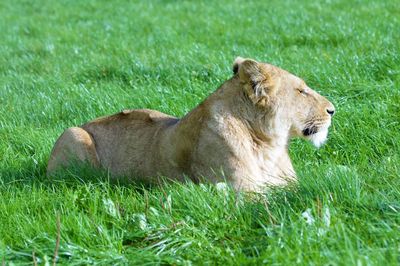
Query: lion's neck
[(265, 129), (263, 135)]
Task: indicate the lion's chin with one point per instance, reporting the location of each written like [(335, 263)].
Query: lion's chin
[(319, 138)]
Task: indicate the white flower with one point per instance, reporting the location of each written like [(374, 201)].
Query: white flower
[(110, 207), (308, 216), (222, 186), (140, 218)]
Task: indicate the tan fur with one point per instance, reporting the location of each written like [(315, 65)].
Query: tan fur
[(240, 133)]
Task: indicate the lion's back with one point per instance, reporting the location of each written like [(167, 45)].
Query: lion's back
[(128, 139)]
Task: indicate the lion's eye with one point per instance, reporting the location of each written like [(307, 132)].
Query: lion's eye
[(302, 91)]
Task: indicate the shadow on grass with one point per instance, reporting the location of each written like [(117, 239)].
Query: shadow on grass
[(78, 175)]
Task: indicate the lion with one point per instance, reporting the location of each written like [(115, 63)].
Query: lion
[(240, 134)]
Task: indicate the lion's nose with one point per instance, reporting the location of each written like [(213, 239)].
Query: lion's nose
[(330, 111)]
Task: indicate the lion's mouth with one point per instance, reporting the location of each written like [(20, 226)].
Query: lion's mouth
[(310, 131)]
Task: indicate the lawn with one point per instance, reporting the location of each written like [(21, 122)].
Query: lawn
[(63, 63)]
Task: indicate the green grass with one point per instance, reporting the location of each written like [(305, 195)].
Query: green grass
[(63, 63)]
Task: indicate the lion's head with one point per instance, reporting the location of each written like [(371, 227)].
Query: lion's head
[(283, 102)]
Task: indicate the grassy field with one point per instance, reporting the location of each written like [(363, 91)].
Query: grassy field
[(63, 63)]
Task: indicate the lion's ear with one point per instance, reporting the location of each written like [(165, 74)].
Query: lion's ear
[(236, 64), (253, 76)]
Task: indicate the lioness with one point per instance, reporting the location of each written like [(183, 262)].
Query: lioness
[(240, 133)]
